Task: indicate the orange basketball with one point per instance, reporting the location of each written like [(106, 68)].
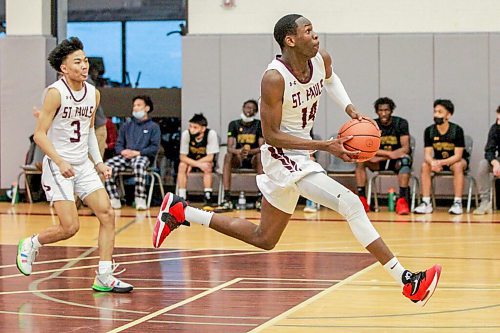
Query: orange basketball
[(366, 138)]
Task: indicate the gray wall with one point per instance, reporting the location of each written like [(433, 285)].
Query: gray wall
[(24, 73), (221, 71)]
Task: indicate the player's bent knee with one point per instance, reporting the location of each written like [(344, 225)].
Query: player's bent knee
[(70, 231), (350, 205)]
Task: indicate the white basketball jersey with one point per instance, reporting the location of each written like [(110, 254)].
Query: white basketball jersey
[(300, 99), (69, 131)]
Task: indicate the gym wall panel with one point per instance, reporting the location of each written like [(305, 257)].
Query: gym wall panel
[(406, 76), (356, 62), (494, 75), (461, 74), (201, 78), (243, 62), (24, 74)]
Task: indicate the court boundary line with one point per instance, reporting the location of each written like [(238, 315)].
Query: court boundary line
[(312, 299), (174, 306)]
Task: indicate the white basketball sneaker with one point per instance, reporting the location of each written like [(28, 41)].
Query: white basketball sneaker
[(107, 282), (424, 208), (140, 204), (115, 203), (26, 253)]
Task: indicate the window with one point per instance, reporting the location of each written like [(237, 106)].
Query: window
[(101, 39), (157, 56)]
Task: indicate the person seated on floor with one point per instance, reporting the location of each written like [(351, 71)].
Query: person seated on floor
[(444, 151), (394, 154), (490, 163), (197, 151), (244, 138), (136, 148)]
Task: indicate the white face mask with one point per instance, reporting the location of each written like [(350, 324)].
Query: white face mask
[(139, 114), (246, 119)]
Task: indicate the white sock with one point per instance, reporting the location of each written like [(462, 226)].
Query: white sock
[(36, 243), (104, 266), (182, 193), (427, 200), (457, 199), (208, 189), (395, 269), (199, 216)]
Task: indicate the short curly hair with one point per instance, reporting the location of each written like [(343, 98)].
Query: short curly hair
[(62, 50), (382, 101)]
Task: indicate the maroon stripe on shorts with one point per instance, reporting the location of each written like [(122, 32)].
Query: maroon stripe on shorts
[(289, 164)]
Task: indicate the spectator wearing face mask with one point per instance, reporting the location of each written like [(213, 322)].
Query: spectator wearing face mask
[(198, 147), (244, 138), (444, 151), (136, 148)]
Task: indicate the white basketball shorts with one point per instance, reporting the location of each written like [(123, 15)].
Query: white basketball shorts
[(281, 173), (58, 188)]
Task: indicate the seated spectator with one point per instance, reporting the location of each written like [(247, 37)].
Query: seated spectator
[(394, 154), (197, 151), (136, 148), (491, 163), (111, 137), (444, 151), (244, 138)]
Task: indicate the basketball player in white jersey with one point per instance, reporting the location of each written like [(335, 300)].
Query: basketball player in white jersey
[(290, 91), (65, 132)]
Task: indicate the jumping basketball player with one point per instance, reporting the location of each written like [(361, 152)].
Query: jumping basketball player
[(65, 132), (290, 91)]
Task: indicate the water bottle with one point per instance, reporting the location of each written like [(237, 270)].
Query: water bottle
[(391, 200), (242, 201)]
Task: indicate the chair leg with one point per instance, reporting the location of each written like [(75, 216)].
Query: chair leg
[(370, 189), (28, 188), (222, 193), (122, 186), (151, 188), (414, 188), (469, 193), (16, 189), (493, 194), (433, 196)]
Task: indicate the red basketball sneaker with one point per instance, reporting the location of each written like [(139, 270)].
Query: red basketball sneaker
[(402, 207), (419, 287), (363, 200), (170, 217)]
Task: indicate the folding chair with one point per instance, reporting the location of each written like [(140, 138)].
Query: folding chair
[(151, 172), (242, 179), (27, 171), (449, 174), (415, 184)]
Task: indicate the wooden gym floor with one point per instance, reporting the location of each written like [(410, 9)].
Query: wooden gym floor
[(318, 278)]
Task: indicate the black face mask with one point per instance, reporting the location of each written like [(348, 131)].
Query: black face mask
[(438, 121)]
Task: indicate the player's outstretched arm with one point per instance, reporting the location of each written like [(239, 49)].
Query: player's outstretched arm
[(51, 104)]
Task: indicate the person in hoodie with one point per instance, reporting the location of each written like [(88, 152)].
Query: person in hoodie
[(136, 148)]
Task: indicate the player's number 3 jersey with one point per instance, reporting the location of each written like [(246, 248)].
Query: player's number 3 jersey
[(300, 99), (70, 127)]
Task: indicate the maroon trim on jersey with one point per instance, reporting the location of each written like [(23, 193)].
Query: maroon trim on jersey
[(309, 63), (71, 92), (289, 164), (57, 111)]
